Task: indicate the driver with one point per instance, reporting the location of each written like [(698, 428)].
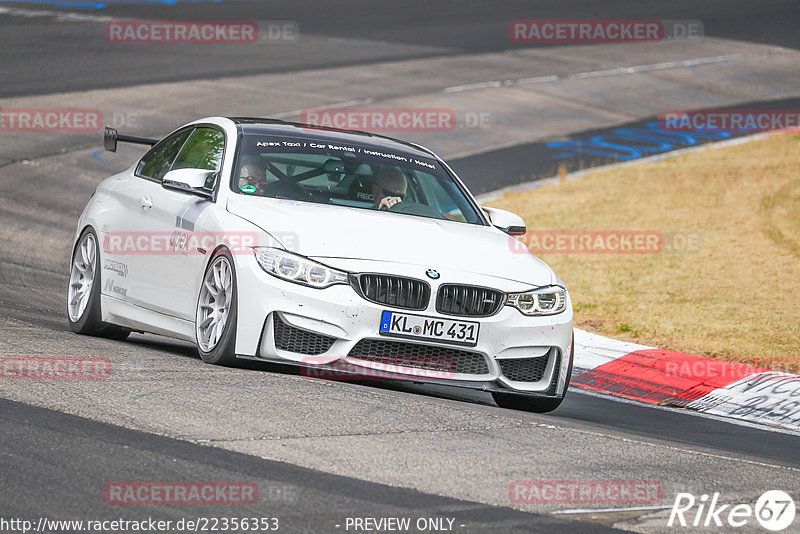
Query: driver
[(253, 175), (389, 188)]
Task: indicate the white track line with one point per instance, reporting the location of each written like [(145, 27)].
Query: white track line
[(60, 16), (329, 106), (596, 73), (606, 510), (471, 86)]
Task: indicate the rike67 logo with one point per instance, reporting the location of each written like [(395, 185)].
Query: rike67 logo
[(774, 510)]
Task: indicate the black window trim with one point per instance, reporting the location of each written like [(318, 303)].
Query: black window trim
[(191, 127), (467, 194), (156, 146)]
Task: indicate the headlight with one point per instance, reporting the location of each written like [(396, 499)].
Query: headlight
[(295, 268), (544, 301)]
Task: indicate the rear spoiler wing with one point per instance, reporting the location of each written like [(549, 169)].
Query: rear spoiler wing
[(111, 136)]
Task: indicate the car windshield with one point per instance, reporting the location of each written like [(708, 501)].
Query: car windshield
[(347, 174)]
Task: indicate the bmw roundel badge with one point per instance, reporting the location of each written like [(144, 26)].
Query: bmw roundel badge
[(432, 273)]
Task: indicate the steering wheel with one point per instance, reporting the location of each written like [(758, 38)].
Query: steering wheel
[(288, 190)]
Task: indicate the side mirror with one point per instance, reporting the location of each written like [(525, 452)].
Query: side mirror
[(192, 181), (510, 223)]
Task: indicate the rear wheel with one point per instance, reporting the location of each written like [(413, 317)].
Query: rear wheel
[(83, 293), (215, 324), (529, 403)]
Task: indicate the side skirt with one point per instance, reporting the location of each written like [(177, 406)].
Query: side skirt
[(120, 313)]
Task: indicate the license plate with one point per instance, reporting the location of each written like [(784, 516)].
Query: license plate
[(429, 328)]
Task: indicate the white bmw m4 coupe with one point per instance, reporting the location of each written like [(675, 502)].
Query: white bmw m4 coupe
[(327, 249)]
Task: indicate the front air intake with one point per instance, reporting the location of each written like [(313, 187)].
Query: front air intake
[(292, 339)]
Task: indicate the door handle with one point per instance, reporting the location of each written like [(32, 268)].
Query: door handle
[(146, 203)]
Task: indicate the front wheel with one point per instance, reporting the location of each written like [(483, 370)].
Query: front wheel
[(215, 324), (83, 293)]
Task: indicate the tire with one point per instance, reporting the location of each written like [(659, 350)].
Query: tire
[(216, 316), (83, 292), (529, 403)]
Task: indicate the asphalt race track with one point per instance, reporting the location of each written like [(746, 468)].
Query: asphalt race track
[(303, 500), (79, 59), (323, 451)]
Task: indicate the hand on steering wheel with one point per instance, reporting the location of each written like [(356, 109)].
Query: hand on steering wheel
[(387, 202)]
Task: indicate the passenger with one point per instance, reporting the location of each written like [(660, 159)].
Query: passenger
[(253, 176)]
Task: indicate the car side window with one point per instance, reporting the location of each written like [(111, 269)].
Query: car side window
[(203, 150), (157, 162)]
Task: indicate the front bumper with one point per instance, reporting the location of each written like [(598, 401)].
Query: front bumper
[(334, 333)]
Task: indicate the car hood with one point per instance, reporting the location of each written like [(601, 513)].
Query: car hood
[(323, 231)]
